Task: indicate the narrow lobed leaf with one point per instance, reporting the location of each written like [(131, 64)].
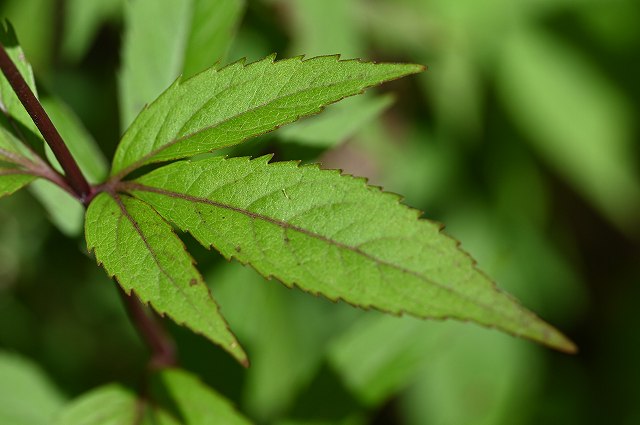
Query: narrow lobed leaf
[(213, 24), (81, 144), (9, 103), (333, 235), (24, 385), (197, 403), (151, 56), (107, 405), (140, 250), (17, 146), (14, 157), (338, 123), (11, 150), (12, 180), (217, 109)]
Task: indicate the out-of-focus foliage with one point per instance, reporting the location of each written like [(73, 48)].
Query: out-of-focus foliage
[(522, 137)]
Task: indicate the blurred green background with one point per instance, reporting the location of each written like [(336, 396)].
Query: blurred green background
[(522, 137)]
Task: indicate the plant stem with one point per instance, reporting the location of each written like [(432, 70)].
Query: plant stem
[(163, 353), (73, 174)]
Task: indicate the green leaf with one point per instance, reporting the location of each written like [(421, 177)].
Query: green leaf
[(197, 403), (9, 102), (11, 150), (82, 21), (151, 56), (140, 249), (578, 121), (310, 20), (80, 143), (333, 235), (213, 24), (27, 396), (217, 109), (173, 388), (285, 331), (470, 361), (12, 180), (36, 23), (374, 371), (113, 405), (63, 210), (13, 157), (107, 405), (338, 123)]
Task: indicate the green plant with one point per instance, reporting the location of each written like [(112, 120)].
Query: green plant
[(327, 233)]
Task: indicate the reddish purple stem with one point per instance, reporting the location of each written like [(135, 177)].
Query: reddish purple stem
[(73, 175)]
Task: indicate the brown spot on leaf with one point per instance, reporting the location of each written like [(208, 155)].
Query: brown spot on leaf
[(193, 282), (238, 249)]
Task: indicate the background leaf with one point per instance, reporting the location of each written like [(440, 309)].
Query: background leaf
[(154, 57), (217, 109), (27, 396), (286, 334), (338, 123), (296, 222), (111, 404), (64, 210), (18, 119), (10, 181), (82, 24), (80, 143), (213, 25), (140, 250), (581, 123), (197, 404)]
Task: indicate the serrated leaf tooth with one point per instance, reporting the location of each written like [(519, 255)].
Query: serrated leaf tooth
[(141, 251), (340, 236), (222, 108)]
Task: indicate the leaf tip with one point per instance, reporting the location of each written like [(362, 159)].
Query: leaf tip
[(558, 341)]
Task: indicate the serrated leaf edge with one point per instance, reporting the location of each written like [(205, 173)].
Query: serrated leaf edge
[(242, 63), (565, 345), (241, 356)]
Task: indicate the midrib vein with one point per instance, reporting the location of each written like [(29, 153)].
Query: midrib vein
[(156, 260), (131, 186), (143, 159)]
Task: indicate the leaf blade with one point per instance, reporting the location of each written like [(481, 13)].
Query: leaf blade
[(223, 108), (140, 249), (12, 180), (152, 56), (24, 385), (14, 157), (110, 404), (197, 403), (9, 102), (213, 24), (274, 217), (81, 144)]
